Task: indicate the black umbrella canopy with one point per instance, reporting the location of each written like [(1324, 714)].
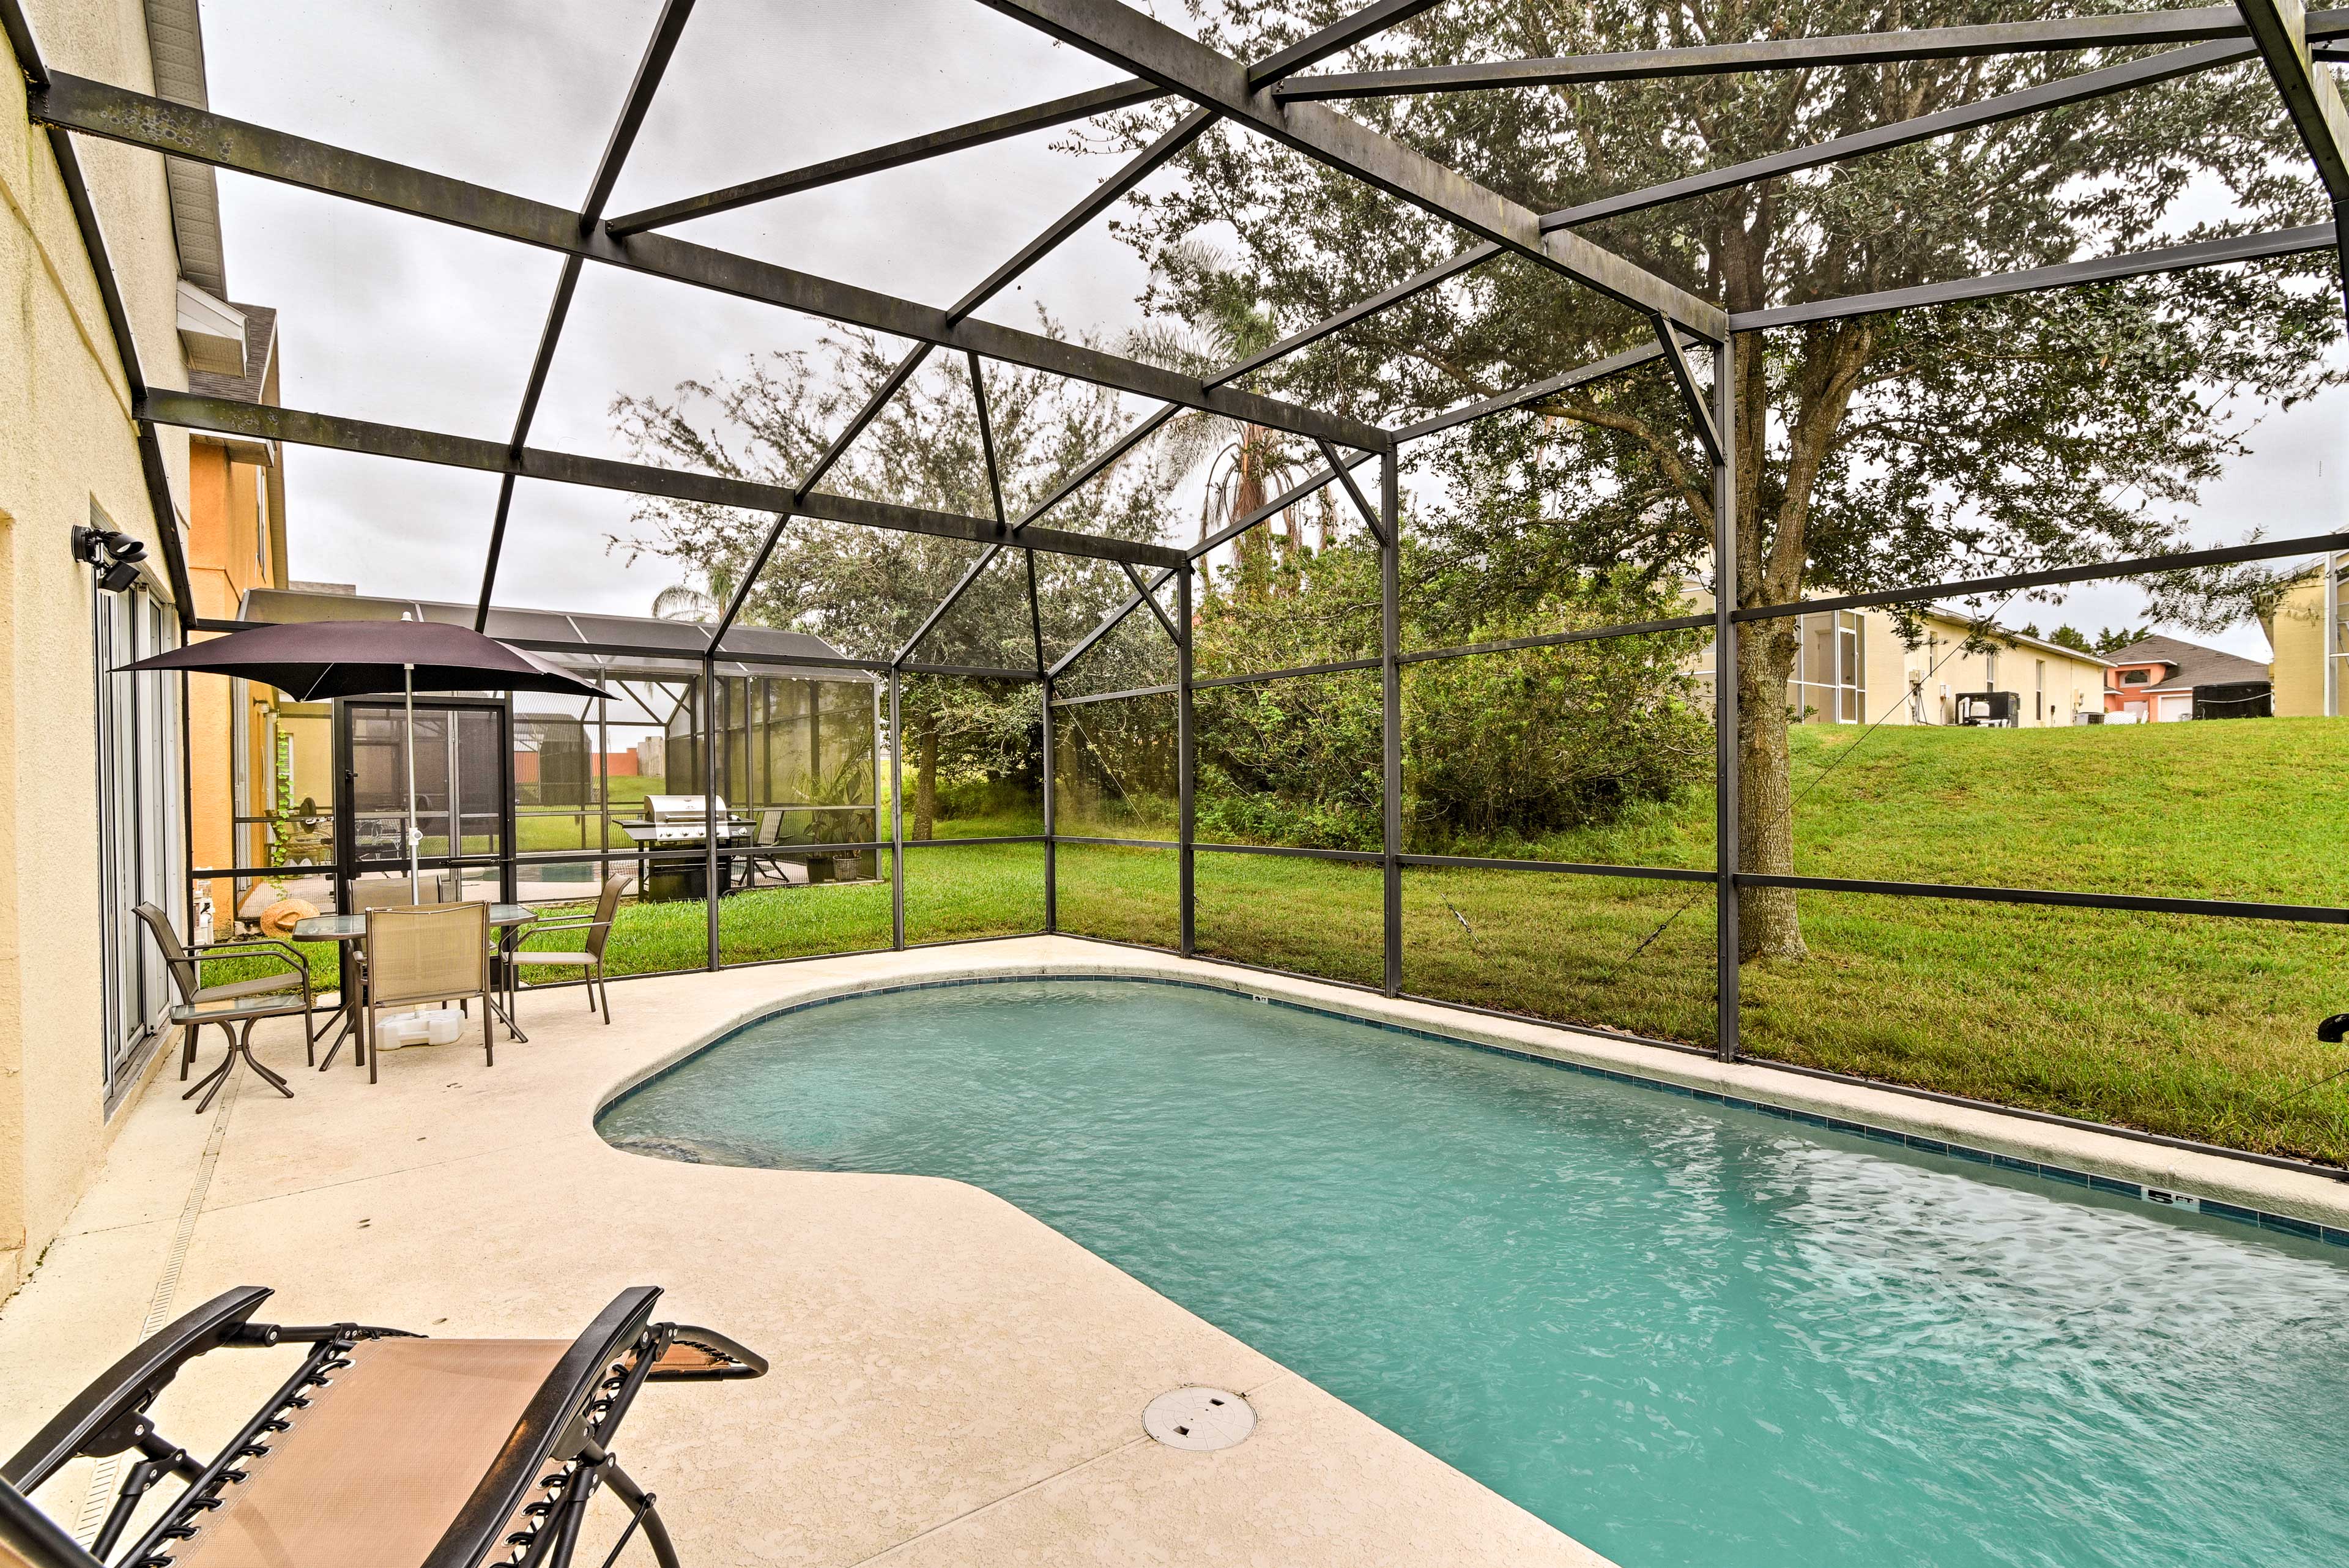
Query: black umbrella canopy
[(311, 660)]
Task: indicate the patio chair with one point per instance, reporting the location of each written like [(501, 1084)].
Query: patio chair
[(588, 958), (419, 953), (763, 839), (235, 1005), (385, 1450), (388, 892), (779, 828)]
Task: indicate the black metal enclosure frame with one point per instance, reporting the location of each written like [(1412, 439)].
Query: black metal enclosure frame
[(1274, 97)]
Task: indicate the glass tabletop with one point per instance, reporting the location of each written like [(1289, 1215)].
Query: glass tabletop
[(351, 928)]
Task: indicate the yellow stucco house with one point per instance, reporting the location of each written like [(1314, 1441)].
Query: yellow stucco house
[(2308, 636), (236, 543), (1855, 667), (92, 816)]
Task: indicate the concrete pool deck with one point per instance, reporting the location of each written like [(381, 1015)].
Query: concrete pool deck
[(953, 1381)]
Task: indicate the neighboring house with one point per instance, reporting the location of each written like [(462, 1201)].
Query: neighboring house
[(236, 543), (91, 819), (2308, 633), (1853, 666), (2153, 680)]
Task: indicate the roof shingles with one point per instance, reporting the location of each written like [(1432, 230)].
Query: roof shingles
[(2188, 664)]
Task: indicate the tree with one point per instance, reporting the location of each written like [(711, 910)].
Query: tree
[(868, 590), (1246, 464), (1974, 438), (1498, 752), (2104, 645)]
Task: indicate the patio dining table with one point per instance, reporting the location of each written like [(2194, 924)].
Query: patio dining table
[(506, 919)]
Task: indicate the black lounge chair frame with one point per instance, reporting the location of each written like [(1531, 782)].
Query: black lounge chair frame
[(559, 1447)]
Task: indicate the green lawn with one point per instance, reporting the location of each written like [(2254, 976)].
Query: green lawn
[(2199, 1028)]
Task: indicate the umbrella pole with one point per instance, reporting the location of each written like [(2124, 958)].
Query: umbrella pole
[(407, 690)]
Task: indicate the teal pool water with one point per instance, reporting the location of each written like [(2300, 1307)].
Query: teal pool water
[(1683, 1333)]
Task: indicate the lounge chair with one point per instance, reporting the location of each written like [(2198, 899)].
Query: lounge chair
[(588, 958), (385, 1450), (235, 1005)]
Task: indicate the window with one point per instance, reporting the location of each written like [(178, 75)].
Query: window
[(1990, 671), (2039, 692), (1830, 684), (2135, 677), (139, 834)]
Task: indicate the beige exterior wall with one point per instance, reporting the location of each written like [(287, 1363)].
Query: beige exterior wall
[(2296, 635), (66, 442), (2053, 682), (1865, 677)]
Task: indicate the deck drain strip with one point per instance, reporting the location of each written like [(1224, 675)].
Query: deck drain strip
[(101, 1498)]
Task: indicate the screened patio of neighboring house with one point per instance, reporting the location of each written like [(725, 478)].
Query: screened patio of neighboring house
[(528, 798)]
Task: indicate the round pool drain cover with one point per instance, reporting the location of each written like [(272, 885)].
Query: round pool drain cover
[(1199, 1419)]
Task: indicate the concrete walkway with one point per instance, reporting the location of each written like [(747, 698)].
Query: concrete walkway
[(953, 1382)]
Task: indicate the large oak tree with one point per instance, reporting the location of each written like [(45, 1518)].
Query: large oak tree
[(1959, 441)]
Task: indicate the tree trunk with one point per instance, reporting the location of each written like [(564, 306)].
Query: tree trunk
[(925, 780), (1252, 551), (1769, 925)]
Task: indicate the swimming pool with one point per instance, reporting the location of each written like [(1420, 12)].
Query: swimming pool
[(1682, 1334)]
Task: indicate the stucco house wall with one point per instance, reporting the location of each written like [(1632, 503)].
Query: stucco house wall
[(2053, 681), (2296, 631), (67, 443)]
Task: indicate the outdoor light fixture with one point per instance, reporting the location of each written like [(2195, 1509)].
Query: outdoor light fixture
[(115, 553)]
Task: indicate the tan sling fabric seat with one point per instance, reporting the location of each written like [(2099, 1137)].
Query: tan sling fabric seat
[(370, 1474), (382, 1449)]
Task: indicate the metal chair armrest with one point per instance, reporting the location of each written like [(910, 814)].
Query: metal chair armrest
[(539, 930), (208, 949), (106, 1418), (283, 952)]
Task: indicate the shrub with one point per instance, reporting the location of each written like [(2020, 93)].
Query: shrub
[(1499, 748)]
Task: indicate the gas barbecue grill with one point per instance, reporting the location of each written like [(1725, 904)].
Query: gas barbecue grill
[(673, 822)]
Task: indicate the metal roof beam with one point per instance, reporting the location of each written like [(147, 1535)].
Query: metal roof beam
[(1335, 39), (138, 119), (895, 155), (2008, 106), (633, 109), (1150, 48), (2101, 269), (263, 421), (2165, 66), (1096, 202), (1518, 397), (2281, 29), (1059, 111), (2043, 37)]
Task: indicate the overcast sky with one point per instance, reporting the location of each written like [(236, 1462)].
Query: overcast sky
[(391, 318)]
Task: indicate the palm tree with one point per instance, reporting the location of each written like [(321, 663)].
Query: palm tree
[(1246, 464)]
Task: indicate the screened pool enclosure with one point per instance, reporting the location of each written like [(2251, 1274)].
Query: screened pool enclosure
[(1085, 816)]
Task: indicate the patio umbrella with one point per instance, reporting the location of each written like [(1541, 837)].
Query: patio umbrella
[(310, 661)]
